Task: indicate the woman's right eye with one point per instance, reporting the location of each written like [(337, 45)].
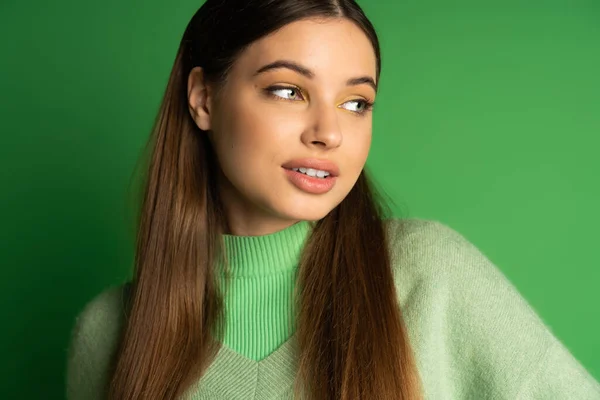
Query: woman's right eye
[(284, 91)]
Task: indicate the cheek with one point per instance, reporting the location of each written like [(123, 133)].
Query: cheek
[(358, 148), (258, 130), (248, 125), (366, 145), (236, 132), (247, 137)]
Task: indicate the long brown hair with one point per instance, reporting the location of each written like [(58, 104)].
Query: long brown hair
[(352, 340)]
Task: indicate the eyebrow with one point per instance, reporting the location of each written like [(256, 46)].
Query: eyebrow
[(294, 66)]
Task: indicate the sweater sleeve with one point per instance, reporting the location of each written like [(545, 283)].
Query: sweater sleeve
[(559, 376), (93, 341), (505, 350)]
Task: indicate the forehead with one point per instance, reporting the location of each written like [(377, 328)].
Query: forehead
[(331, 48)]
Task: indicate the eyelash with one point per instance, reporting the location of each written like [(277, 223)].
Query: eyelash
[(269, 91)]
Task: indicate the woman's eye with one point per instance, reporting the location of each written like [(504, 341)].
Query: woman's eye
[(292, 93), (362, 105), (289, 91)]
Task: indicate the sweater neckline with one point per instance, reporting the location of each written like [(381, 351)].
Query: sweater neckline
[(254, 256), (231, 371)]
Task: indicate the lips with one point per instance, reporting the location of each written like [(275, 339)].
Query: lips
[(314, 163), (309, 184)]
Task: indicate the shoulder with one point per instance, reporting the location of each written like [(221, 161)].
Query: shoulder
[(438, 268), (102, 313), (94, 339), (425, 248), (418, 233), (466, 317), (446, 265)]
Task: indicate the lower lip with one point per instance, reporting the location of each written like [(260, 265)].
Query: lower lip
[(310, 184)]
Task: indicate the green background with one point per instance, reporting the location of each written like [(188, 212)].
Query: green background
[(487, 120)]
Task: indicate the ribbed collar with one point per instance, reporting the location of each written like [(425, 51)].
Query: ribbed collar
[(251, 256)]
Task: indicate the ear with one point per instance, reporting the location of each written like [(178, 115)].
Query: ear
[(199, 98)]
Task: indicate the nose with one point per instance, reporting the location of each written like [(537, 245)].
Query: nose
[(324, 130)]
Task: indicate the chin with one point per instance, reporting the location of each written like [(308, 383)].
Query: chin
[(306, 212), (311, 216)]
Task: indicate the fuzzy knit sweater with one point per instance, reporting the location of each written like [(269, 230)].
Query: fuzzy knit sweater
[(474, 336)]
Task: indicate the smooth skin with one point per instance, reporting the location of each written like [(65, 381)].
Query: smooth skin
[(255, 129)]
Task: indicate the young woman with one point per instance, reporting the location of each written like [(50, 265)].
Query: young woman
[(266, 267)]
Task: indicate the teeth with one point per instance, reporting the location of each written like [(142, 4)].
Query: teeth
[(312, 172)]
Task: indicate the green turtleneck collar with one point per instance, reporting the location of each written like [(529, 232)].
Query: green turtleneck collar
[(251, 256)]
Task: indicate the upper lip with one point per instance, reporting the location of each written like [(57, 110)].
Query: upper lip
[(314, 163)]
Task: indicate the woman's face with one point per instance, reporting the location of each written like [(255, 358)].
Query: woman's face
[(267, 120)]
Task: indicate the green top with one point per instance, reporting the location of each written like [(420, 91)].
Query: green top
[(259, 304), (474, 336)]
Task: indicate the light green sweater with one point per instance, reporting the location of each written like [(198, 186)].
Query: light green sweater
[(473, 334)]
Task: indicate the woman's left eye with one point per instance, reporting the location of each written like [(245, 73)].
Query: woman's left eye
[(365, 105)]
